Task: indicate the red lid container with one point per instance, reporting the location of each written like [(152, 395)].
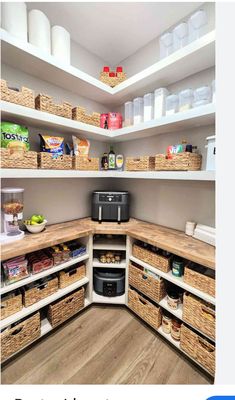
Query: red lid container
[(119, 69), (106, 69)]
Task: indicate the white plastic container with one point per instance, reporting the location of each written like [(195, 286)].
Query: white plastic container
[(128, 113), (39, 30), (148, 106), (202, 95), (197, 25), (166, 44), (14, 19), (213, 91), (138, 108), (180, 36), (189, 228), (172, 104), (60, 44), (211, 153), (185, 99), (160, 102)]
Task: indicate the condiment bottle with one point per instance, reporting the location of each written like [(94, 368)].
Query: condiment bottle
[(112, 159), (166, 323), (173, 299), (177, 266), (119, 162), (175, 329), (104, 162)]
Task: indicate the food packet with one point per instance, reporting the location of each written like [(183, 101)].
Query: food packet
[(81, 146), (14, 137), (52, 144)]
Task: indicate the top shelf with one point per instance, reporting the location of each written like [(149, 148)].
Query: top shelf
[(193, 58)]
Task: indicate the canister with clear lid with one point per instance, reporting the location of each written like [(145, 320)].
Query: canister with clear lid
[(12, 208), (172, 104), (197, 25), (185, 99), (128, 113), (138, 103), (180, 35), (202, 95), (166, 44), (148, 106)]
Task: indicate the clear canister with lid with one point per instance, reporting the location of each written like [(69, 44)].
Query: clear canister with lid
[(172, 104), (148, 106), (12, 207), (202, 95), (197, 25), (160, 102), (138, 104), (180, 35), (185, 99), (166, 44), (128, 113)]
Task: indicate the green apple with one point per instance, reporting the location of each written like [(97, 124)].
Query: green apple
[(34, 223), (35, 218)]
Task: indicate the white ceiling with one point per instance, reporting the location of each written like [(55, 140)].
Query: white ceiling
[(114, 31)]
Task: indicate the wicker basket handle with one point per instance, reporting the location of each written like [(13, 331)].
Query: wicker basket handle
[(136, 159), (144, 277), (3, 306), (207, 312), (16, 331), (73, 272), (69, 300), (204, 345), (143, 301)]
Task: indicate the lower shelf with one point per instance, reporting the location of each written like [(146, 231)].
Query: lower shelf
[(108, 300)]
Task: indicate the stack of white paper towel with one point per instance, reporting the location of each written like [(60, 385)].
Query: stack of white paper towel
[(205, 233)]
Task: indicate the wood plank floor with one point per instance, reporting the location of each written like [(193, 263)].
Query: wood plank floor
[(102, 345)]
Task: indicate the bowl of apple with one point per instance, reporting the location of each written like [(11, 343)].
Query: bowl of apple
[(36, 223)]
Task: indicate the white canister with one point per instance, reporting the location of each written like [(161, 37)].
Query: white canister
[(211, 153), (189, 228), (14, 19), (138, 105), (148, 106), (39, 30), (60, 44), (160, 102)]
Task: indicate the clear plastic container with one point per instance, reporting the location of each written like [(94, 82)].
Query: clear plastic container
[(202, 95), (166, 44), (213, 91), (12, 207), (148, 106), (172, 104), (185, 99), (180, 36), (128, 113), (138, 104), (197, 25), (160, 102)]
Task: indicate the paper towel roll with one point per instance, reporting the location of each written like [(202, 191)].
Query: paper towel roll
[(60, 41), (14, 19), (39, 30)]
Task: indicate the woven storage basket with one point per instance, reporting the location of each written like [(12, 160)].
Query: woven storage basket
[(40, 291), (179, 162), (45, 103), (11, 305), (151, 287), (112, 80), (200, 277), (24, 97), (79, 114), (199, 314), (27, 159), (86, 164), (16, 338), (151, 258), (66, 278), (198, 348), (149, 312), (145, 163), (46, 161), (61, 310)]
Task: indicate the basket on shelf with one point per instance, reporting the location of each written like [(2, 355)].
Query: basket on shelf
[(84, 163), (144, 163), (200, 278), (112, 80), (179, 162), (39, 291), (151, 258), (71, 275), (199, 314), (11, 305), (200, 349), (48, 161), (23, 97), (45, 103), (79, 114), (62, 310), (22, 334), (153, 288), (26, 159), (149, 312)]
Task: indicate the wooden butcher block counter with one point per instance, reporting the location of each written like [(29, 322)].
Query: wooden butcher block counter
[(166, 238)]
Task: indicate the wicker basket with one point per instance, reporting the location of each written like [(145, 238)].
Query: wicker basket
[(11, 305), (79, 114), (45, 103), (198, 348), (67, 277), (61, 310), (179, 162), (199, 314), (151, 287), (40, 291), (151, 258), (145, 163), (200, 277), (84, 163), (149, 312), (16, 338), (46, 161), (25, 97), (27, 159), (112, 80)]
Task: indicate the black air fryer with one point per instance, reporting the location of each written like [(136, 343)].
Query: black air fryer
[(109, 282), (110, 206)]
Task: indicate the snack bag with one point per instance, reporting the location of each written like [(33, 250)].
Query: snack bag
[(52, 144), (81, 146), (14, 137)]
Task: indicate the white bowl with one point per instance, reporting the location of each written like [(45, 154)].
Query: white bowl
[(36, 228)]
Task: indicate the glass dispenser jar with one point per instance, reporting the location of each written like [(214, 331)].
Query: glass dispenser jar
[(12, 209)]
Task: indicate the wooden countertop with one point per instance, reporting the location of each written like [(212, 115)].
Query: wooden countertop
[(166, 238)]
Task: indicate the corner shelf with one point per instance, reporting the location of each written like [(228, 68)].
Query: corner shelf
[(97, 264), (109, 244)]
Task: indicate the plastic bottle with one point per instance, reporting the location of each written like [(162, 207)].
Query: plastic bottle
[(112, 158)]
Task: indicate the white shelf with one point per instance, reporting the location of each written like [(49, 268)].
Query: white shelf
[(109, 244), (195, 57), (156, 175), (177, 281), (43, 274), (108, 300), (40, 304), (98, 264)]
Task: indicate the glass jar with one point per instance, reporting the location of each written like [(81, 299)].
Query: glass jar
[(173, 299), (175, 329), (12, 207), (166, 323)]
